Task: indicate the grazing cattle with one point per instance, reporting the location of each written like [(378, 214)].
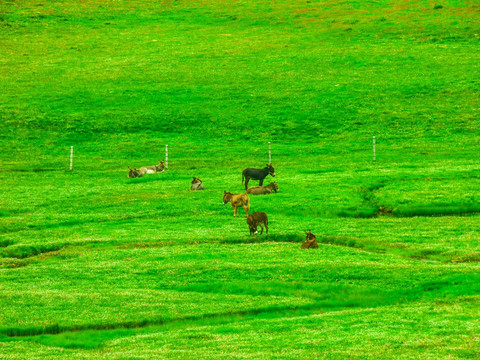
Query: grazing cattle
[(160, 167), (310, 241), (255, 219), (134, 173), (257, 174), (196, 184), (237, 200), (261, 190)]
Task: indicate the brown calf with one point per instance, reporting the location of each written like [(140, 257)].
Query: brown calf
[(261, 190), (255, 219), (310, 241), (237, 200)]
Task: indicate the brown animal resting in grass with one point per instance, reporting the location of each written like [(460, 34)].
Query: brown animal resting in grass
[(134, 173), (154, 168), (196, 184), (237, 200), (261, 190), (310, 242), (255, 219)]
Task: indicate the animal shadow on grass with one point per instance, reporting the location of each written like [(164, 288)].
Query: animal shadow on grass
[(286, 238)]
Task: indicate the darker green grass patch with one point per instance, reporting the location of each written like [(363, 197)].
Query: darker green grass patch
[(4, 213), (264, 238), (437, 210), (365, 213), (26, 251), (89, 339), (5, 242)]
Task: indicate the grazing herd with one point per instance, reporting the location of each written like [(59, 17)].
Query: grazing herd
[(238, 200)]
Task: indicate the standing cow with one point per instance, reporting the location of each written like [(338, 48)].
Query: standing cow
[(257, 174)]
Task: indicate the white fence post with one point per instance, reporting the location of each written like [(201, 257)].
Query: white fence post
[(374, 154), (71, 158), (269, 153), (166, 156)]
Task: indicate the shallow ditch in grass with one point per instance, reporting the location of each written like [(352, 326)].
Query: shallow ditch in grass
[(373, 207), (27, 251), (87, 336), (93, 335)]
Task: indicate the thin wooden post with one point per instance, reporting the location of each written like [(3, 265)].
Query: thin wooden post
[(71, 158), (269, 153), (166, 156), (374, 154)]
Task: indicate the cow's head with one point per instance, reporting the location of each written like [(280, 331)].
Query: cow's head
[(310, 236), (227, 195), (271, 170), (275, 186), (133, 173)]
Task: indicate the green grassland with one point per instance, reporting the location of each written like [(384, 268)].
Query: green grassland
[(96, 265)]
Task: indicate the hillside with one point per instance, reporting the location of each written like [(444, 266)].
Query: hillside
[(97, 265)]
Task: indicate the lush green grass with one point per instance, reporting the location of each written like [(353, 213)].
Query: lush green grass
[(93, 264)]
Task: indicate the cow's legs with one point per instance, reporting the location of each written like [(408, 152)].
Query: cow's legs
[(260, 183), (233, 207), (247, 179), (261, 227)]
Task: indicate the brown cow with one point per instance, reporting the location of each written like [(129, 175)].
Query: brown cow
[(255, 219), (237, 200), (160, 167), (261, 190), (310, 241), (134, 173)]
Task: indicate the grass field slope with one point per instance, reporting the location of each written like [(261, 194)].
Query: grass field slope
[(95, 265)]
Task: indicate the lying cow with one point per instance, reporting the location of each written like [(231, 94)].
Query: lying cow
[(196, 184), (160, 167), (255, 219), (261, 190), (310, 241), (134, 173), (237, 200), (257, 174)]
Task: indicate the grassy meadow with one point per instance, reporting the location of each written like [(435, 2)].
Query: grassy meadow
[(96, 265)]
